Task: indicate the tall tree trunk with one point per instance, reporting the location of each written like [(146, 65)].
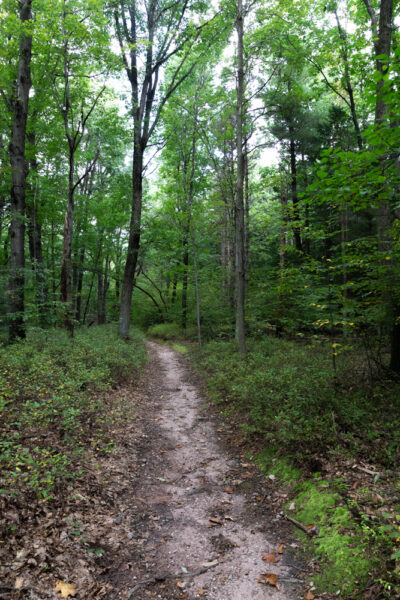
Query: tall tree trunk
[(295, 197), (382, 36), (66, 271), (185, 263), (247, 217), (101, 317), (18, 177), (197, 291), (174, 286), (79, 283), (35, 237), (133, 242), (239, 213), (2, 205)]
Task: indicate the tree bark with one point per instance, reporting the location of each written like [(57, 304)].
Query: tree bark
[(19, 170), (185, 263), (382, 39), (35, 237), (128, 281), (197, 290), (239, 213), (293, 184)]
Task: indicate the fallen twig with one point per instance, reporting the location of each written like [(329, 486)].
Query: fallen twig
[(310, 531), (161, 578), (375, 473)]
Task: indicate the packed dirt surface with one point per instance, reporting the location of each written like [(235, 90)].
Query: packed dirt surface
[(196, 530)]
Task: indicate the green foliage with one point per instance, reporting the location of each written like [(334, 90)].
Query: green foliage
[(288, 393), (165, 331), (49, 407)]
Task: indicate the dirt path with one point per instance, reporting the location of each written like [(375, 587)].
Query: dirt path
[(193, 527)]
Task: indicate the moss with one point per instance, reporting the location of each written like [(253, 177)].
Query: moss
[(340, 544), (282, 468)]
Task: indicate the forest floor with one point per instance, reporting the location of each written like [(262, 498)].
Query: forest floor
[(177, 512)]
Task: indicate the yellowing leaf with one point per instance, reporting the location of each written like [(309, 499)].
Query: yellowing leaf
[(65, 589)]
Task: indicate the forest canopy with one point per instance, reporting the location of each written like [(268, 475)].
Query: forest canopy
[(230, 169)]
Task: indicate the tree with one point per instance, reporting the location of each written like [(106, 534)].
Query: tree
[(151, 36), (19, 102), (240, 273)]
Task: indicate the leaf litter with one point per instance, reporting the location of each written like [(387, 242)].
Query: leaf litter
[(95, 538)]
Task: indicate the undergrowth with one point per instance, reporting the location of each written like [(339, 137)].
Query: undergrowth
[(286, 398), (51, 408), (288, 394)]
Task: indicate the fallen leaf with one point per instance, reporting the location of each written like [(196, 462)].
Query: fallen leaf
[(228, 490), (280, 549), (271, 578), (19, 583), (271, 558), (179, 446), (65, 589), (228, 518), (309, 596), (180, 584), (163, 452), (200, 592), (310, 526), (216, 521)]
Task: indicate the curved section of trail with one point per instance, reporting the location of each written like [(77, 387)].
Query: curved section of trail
[(193, 525)]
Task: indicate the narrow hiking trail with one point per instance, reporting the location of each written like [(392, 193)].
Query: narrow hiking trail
[(195, 531)]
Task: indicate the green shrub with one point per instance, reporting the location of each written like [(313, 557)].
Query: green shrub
[(165, 331), (50, 408)]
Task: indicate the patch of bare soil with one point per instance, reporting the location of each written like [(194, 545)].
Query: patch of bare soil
[(170, 515)]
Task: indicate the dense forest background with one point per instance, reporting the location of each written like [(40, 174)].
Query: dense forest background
[(121, 135), (225, 175)]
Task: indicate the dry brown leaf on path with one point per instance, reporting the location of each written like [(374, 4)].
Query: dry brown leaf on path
[(216, 521), (271, 578), (65, 589), (271, 558), (200, 592), (309, 596), (19, 583), (280, 549), (228, 490)]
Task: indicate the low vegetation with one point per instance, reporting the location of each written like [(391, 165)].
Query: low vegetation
[(332, 444), (50, 408)]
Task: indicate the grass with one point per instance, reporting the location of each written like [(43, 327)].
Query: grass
[(51, 407), (286, 397)]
